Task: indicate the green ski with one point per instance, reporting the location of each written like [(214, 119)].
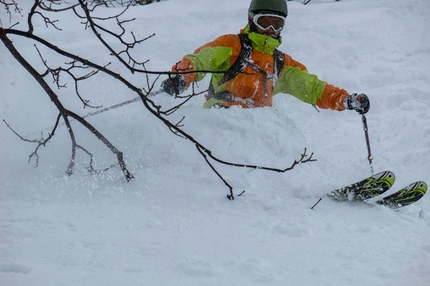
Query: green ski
[(405, 196), (377, 185), (365, 189)]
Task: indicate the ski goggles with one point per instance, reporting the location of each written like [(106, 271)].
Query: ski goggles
[(267, 21)]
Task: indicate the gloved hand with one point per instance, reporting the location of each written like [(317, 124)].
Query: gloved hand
[(358, 102), (174, 85)]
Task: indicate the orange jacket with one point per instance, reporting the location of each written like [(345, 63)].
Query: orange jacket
[(250, 88)]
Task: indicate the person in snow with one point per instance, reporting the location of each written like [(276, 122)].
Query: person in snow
[(247, 69)]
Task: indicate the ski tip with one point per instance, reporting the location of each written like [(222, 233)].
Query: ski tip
[(385, 175)]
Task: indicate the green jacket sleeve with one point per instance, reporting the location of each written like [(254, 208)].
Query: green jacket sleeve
[(306, 87), (210, 59)]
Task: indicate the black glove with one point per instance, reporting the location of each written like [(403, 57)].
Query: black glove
[(174, 85), (358, 102)]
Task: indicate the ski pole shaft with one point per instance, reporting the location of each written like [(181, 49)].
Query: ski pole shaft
[(366, 134), (121, 104), (109, 108)]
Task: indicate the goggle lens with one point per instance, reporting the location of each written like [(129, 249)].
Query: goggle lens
[(267, 21)]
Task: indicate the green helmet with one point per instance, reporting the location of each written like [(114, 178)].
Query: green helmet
[(278, 6)]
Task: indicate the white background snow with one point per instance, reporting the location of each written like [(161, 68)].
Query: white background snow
[(173, 225)]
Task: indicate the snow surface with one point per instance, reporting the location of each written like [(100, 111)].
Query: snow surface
[(172, 225)]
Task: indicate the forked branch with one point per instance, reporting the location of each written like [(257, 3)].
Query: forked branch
[(74, 64)]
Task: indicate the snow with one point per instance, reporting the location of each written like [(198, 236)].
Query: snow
[(172, 224)]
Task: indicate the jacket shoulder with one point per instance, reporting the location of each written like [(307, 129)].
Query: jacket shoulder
[(227, 40), (289, 61)]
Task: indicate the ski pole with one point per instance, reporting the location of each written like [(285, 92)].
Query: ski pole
[(121, 104), (109, 108), (366, 134)]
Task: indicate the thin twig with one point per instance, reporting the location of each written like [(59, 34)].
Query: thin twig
[(316, 204)]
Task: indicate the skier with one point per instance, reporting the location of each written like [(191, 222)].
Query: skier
[(247, 69)]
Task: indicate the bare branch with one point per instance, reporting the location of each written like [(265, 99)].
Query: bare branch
[(11, 3), (50, 8), (65, 113), (40, 142), (80, 69)]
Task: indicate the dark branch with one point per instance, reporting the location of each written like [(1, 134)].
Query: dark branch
[(77, 63), (65, 113)]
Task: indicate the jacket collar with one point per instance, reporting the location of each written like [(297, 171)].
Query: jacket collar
[(260, 42)]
